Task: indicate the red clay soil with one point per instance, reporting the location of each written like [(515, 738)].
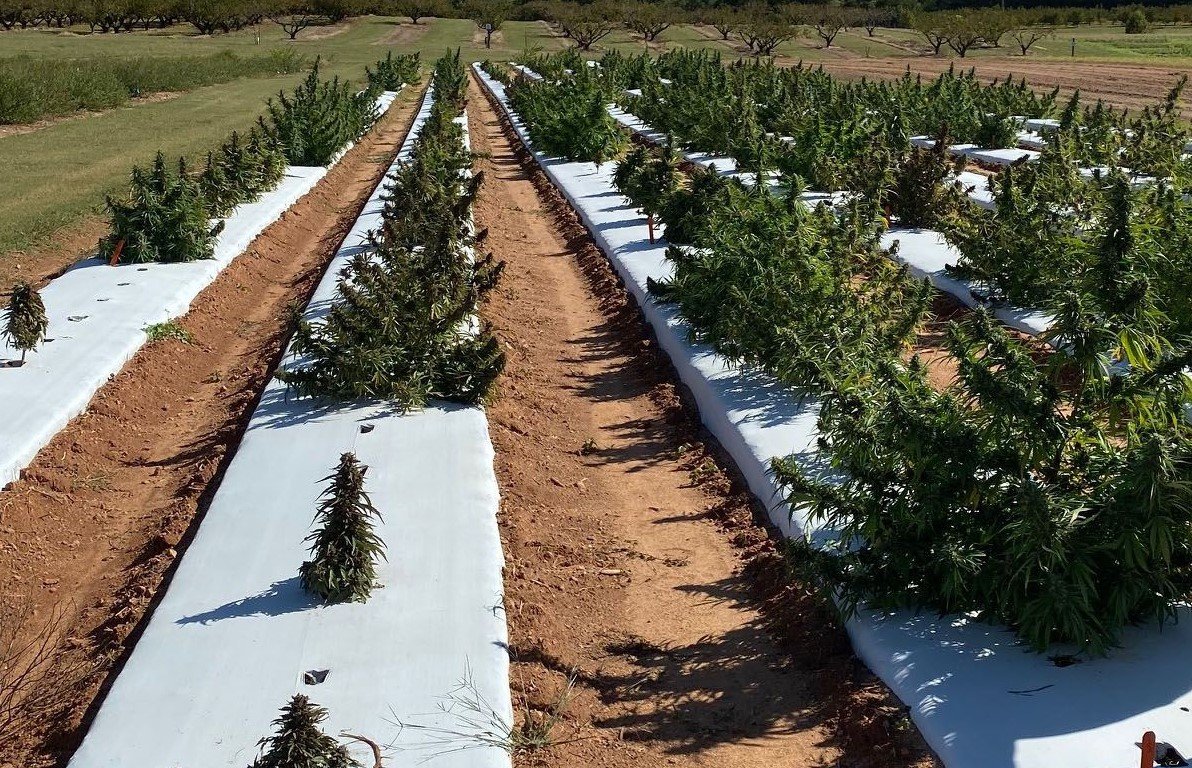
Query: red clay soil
[(635, 566), (93, 529), (1121, 85)]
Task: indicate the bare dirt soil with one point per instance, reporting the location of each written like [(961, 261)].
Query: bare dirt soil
[(1121, 85), (498, 38), (635, 568), (92, 530), (404, 34), (324, 31)]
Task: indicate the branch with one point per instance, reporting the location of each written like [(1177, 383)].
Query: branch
[(376, 748)]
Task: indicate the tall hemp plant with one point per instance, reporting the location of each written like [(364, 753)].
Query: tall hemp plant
[(344, 548), (806, 294), (648, 178), (393, 72), (319, 117), (924, 192), (164, 218), (25, 321), (569, 117), (1048, 493)]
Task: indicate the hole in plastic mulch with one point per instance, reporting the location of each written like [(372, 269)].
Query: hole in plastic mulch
[(314, 676), (366, 428)]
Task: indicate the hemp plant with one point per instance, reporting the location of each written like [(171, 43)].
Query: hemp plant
[(344, 548), (924, 193), (648, 179), (164, 218), (25, 321), (298, 742)]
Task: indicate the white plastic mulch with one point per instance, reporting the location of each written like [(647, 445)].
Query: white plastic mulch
[(235, 635), (97, 316), (980, 699)]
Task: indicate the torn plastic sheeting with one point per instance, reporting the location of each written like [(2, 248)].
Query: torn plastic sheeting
[(97, 315), (979, 697), (235, 633)]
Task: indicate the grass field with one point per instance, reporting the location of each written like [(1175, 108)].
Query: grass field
[(57, 175), (60, 173)]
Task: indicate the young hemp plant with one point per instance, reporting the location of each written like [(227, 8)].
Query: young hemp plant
[(648, 179), (344, 548), (298, 742), (25, 321)]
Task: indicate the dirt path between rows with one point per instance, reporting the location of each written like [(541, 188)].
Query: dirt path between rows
[(96, 523), (634, 566)]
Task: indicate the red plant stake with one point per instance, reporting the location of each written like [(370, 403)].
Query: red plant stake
[(1148, 749), (116, 253)]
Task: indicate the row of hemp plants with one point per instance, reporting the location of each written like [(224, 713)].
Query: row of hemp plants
[(828, 122), (1048, 238), (399, 329), (1041, 488), (168, 211), (403, 327), (1109, 239), (806, 293), (567, 116), (1044, 491), (393, 72), (846, 149)]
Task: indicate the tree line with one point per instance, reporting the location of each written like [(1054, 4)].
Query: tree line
[(760, 25)]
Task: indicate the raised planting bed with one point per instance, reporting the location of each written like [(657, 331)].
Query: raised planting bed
[(992, 157), (98, 315), (979, 696), (235, 635), (924, 251)]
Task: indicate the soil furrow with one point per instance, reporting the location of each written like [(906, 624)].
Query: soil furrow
[(636, 568), (91, 531)]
